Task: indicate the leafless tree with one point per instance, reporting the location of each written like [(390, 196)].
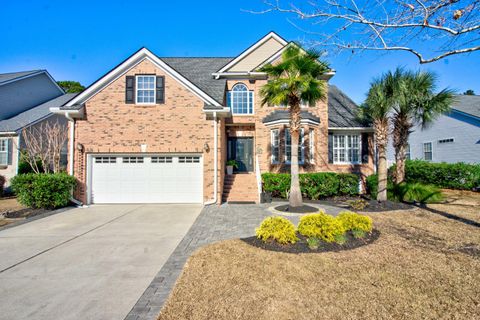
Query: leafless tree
[(44, 143), (438, 28)]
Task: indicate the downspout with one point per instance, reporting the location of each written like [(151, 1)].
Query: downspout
[(71, 144), (215, 161)]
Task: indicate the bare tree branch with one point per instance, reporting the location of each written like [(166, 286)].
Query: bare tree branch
[(422, 27), (44, 143)]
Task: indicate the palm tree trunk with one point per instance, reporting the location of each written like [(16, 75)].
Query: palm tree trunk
[(381, 135), (401, 132), (295, 199)]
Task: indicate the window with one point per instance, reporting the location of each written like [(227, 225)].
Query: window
[(346, 148), (311, 146), (132, 159), (288, 147), (161, 160), (189, 159), (4, 152), (105, 159), (145, 89), (275, 145), (449, 140), (407, 152), (427, 151), (240, 100)]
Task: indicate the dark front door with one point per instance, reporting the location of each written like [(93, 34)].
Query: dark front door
[(241, 149)]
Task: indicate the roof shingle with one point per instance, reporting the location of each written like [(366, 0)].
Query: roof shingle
[(4, 77), (467, 104)]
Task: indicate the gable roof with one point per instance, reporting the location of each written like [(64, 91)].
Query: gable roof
[(126, 65), (199, 71), (342, 111), (467, 104), (34, 114), (249, 50), (9, 77)]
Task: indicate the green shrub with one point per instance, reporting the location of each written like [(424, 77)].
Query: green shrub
[(459, 175), (313, 243), (354, 222), (372, 186), (416, 192), (313, 185), (43, 190), (277, 228), (320, 225), (2, 184)]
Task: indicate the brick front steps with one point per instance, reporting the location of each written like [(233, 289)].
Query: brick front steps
[(241, 187)]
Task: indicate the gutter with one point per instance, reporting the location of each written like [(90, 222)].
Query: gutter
[(215, 161)]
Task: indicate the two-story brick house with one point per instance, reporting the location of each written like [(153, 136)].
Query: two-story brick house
[(161, 130)]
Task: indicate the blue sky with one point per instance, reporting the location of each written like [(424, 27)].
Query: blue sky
[(81, 40)]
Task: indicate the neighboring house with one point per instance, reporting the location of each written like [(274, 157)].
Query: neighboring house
[(25, 100), (453, 137), (159, 129)]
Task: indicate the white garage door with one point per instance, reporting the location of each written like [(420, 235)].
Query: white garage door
[(147, 179)]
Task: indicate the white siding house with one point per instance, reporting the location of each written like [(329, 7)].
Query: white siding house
[(453, 137)]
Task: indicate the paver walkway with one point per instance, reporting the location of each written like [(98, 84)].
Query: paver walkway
[(214, 223)]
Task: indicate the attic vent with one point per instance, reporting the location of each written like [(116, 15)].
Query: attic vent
[(449, 140)]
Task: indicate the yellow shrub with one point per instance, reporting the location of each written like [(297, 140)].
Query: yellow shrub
[(355, 222), (277, 228), (320, 225)]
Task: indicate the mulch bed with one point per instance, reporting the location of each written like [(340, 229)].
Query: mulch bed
[(301, 245), (23, 213), (301, 209), (373, 205)]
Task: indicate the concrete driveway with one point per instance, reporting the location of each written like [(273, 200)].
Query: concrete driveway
[(91, 263)]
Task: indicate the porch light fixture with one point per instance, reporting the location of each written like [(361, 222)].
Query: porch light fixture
[(206, 147), (80, 147)]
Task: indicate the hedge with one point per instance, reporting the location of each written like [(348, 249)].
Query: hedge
[(44, 190), (459, 175), (313, 185)]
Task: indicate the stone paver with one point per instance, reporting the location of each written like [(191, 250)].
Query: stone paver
[(214, 223)]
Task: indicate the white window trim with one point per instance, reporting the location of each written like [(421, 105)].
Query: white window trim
[(347, 149), (272, 139), (431, 150), (5, 151), (311, 146), (248, 100), (154, 90), (302, 143)]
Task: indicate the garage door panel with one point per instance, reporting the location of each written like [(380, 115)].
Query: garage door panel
[(147, 179)]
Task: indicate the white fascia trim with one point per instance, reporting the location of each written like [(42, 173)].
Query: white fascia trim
[(287, 121), (364, 129), (9, 133), (223, 110), (218, 75), (252, 48), (128, 65)]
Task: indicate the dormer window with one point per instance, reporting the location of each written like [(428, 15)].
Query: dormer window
[(145, 90), (240, 99)]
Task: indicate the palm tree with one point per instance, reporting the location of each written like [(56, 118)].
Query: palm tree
[(294, 79), (377, 109), (416, 104)]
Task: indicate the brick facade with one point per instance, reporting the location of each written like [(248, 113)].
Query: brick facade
[(111, 126)]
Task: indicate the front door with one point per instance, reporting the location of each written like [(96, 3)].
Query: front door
[(241, 150)]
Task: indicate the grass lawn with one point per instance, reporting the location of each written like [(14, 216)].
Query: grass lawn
[(423, 266)]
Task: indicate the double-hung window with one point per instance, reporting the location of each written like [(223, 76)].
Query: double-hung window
[(288, 147), (427, 151), (311, 146), (4, 152), (240, 99), (407, 152), (275, 145), (145, 89), (346, 149)]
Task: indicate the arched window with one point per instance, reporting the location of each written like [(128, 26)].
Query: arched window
[(240, 99)]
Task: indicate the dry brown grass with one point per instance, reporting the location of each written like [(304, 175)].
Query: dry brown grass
[(423, 266)]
